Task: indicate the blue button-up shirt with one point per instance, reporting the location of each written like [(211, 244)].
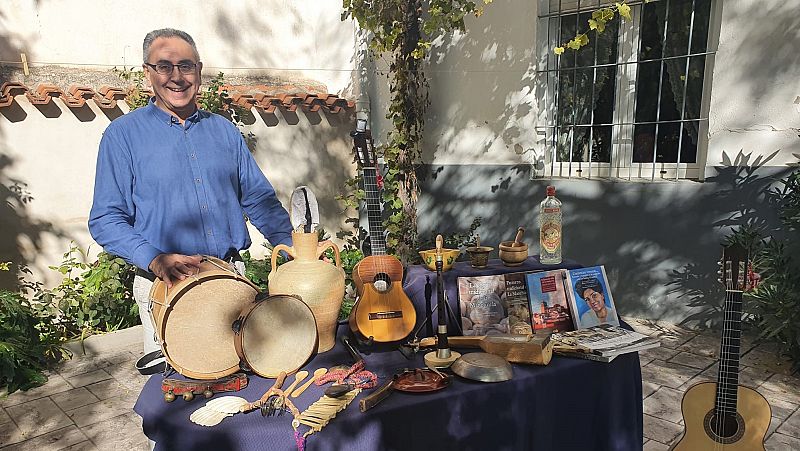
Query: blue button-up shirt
[(163, 187)]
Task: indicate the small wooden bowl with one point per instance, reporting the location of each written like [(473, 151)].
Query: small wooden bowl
[(479, 255), (513, 255), (449, 257)]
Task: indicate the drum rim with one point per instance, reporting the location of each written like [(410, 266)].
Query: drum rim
[(239, 338), (167, 307)]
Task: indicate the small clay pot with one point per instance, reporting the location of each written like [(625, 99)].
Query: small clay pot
[(513, 255), (479, 255)]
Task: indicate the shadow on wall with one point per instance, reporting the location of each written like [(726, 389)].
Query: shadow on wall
[(659, 241)]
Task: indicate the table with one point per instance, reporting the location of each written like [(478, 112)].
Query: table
[(570, 404)]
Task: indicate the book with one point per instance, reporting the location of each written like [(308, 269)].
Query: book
[(590, 298), (605, 340), (548, 302), (568, 352), (494, 304)]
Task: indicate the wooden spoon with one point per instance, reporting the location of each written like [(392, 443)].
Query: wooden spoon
[(317, 374), (518, 238), (299, 377)]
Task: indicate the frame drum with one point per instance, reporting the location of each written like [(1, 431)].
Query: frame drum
[(193, 319), (277, 333)]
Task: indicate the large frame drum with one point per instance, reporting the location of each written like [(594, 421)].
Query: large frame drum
[(276, 333), (193, 319)]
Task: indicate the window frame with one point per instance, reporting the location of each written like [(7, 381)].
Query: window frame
[(623, 122)]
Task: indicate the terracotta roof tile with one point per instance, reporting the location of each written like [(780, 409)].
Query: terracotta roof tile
[(263, 98)]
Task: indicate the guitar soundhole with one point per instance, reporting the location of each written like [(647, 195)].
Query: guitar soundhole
[(727, 429), (382, 282)]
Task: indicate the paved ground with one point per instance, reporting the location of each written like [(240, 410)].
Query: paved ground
[(87, 402)]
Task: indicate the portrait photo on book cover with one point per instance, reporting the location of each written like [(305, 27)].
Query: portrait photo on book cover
[(592, 301)]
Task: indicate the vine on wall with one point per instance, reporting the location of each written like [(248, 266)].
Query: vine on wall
[(404, 30)]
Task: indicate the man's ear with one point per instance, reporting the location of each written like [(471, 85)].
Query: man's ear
[(148, 82)]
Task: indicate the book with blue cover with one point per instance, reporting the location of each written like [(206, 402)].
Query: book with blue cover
[(590, 298)]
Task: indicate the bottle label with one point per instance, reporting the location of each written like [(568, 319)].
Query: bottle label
[(551, 209), (550, 237)]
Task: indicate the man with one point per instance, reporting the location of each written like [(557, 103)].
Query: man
[(174, 182), (591, 291)]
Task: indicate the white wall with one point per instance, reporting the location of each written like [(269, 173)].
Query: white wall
[(483, 108), (54, 155)]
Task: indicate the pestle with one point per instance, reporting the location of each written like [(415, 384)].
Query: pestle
[(477, 241), (518, 238), (439, 246)]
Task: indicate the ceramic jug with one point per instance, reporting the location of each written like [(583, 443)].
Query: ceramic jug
[(320, 284)]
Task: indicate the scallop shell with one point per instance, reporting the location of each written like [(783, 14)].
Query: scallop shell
[(227, 404), (206, 416)]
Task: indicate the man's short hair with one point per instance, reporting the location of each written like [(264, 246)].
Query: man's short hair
[(588, 282), (166, 33)]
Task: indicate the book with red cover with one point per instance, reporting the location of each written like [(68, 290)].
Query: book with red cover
[(547, 299)]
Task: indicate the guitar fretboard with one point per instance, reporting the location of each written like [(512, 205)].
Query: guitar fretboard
[(730, 348), (373, 202)]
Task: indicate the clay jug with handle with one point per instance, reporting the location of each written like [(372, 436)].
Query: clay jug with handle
[(318, 283)]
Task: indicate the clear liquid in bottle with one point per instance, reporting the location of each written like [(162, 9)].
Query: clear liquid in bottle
[(550, 228)]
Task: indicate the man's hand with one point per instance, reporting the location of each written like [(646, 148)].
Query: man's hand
[(175, 267)]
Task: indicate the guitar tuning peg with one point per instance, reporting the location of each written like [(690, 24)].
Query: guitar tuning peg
[(719, 280)]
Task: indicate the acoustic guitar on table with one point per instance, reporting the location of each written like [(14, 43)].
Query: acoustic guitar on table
[(383, 312), (725, 415)]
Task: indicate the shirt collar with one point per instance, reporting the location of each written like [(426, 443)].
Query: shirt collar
[(164, 117)]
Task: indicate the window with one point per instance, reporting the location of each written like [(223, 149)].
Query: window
[(631, 103)]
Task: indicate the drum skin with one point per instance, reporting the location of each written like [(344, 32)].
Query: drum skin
[(193, 319), (277, 333)]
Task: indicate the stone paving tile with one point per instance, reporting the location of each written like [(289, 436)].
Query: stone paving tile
[(82, 446), (780, 385), (705, 345), (770, 360), (791, 426), (662, 431), (659, 353), (782, 409), (79, 365), (38, 417), (52, 441), (648, 388), (10, 433), (780, 442), (127, 375), (672, 375), (108, 389), (55, 384), (72, 399), (120, 432), (103, 410), (692, 360), (664, 404), (80, 380), (653, 445), (4, 418)]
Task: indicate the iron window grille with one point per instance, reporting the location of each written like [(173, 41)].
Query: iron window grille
[(633, 103)]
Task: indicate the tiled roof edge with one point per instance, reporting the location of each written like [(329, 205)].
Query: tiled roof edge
[(246, 96)]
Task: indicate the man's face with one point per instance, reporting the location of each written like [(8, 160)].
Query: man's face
[(594, 299), (175, 92)]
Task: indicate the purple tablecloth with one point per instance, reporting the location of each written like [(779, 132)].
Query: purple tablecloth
[(568, 405)]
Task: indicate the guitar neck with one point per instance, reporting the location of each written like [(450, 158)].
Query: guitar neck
[(373, 201), (728, 374)]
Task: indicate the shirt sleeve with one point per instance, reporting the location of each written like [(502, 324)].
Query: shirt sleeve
[(112, 215), (260, 202)]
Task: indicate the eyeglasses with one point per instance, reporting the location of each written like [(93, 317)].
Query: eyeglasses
[(166, 68)]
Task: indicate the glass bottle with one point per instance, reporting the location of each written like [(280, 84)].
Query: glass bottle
[(550, 228)]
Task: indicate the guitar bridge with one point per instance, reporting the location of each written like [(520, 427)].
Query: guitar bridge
[(385, 315)]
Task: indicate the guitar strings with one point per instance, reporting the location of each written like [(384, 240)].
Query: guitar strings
[(725, 375)]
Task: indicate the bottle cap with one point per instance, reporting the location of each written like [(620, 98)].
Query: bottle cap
[(551, 190)]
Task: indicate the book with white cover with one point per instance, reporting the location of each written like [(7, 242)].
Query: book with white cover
[(606, 340)]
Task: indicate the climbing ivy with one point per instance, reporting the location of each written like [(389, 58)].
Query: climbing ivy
[(404, 31)]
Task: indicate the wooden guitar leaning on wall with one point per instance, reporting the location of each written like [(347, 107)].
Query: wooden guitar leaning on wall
[(383, 312), (724, 415)]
